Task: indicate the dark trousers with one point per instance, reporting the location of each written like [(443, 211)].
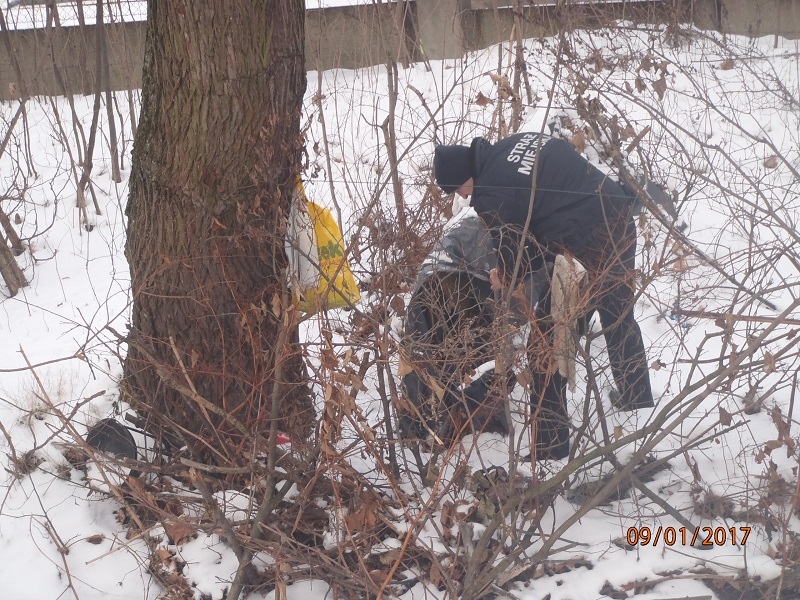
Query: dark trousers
[(610, 260)]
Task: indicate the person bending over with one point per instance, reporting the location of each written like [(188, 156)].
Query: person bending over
[(540, 198)]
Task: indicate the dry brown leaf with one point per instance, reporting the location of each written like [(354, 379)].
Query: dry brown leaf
[(380, 574), (367, 433), (398, 305), (363, 519), (140, 492), (617, 432), (436, 387), (627, 133), (96, 539), (725, 417), (681, 264), (284, 567), (656, 267), (646, 64), (727, 65), (179, 532), (500, 80), (297, 297), (660, 86), (482, 100), (435, 575), (579, 141), (504, 90), (445, 518), (769, 363), (164, 555), (637, 138), (276, 305), (404, 367), (403, 404), (357, 382), (389, 557), (347, 403), (329, 359)]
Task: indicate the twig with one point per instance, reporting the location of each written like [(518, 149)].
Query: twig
[(187, 391), (193, 464), (387, 416), (706, 314), (268, 502), (219, 516), (657, 430), (189, 381), (125, 544)]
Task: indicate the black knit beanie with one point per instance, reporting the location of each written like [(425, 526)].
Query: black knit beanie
[(451, 167)]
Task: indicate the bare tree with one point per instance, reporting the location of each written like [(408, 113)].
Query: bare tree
[(212, 349)]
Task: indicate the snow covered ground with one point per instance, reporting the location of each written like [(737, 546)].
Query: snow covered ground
[(724, 136)]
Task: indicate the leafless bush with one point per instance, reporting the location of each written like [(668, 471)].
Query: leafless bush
[(377, 514), (725, 308)]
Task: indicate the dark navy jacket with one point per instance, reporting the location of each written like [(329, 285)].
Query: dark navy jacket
[(572, 200)]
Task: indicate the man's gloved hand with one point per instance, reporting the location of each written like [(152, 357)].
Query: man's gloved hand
[(483, 402), (495, 281), (531, 290)]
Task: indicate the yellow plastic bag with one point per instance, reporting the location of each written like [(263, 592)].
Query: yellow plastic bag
[(319, 270)]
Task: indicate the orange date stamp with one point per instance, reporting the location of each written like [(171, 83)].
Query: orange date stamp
[(683, 536)]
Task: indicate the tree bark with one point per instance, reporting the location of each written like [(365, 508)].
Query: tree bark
[(9, 270), (216, 154), (13, 238)]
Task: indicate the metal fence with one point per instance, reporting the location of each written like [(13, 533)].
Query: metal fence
[(40, 14)]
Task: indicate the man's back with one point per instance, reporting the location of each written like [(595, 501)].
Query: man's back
[(572, 196)]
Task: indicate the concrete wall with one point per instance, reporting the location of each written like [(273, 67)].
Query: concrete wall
[(357, 36), (755, 18), (494, 23), (486, 22), (346, 37), (72, 51), (759, 18)]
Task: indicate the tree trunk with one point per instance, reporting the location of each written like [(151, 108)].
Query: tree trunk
[(9, 270), (215, 158)]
